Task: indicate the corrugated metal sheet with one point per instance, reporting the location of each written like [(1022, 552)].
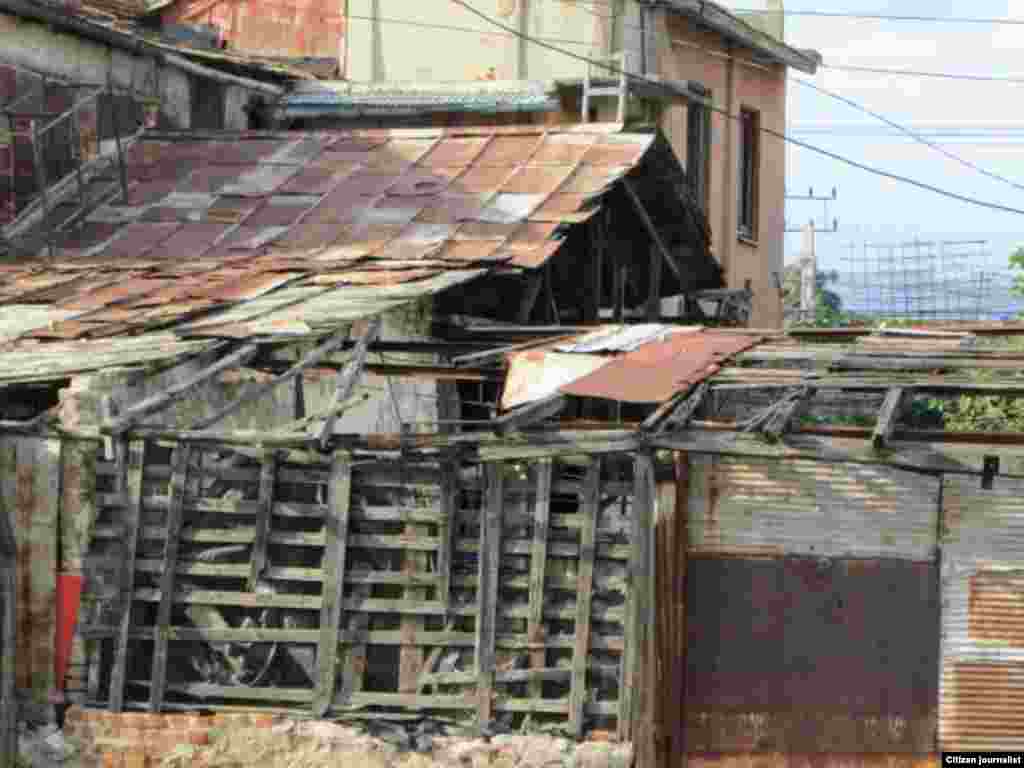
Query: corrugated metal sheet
[(536, 374), (752, 507), (797, 655), (656, 371), (180, 257), (982, 686), (351, 100), (622, 338)]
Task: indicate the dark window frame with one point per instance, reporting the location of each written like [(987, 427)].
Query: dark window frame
[(698, 150), (748, 179)]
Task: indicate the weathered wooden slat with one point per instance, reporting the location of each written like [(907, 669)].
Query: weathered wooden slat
[(556, 674), (348, 377), (405, 541), (179, 463), (256, 390), (243, 692), (258, 560), (584, 596), (410, 656), (487, 594), (339, 501), (530, 414), (562, 549), (133, 415), (643, 508), (446, 528), (130, 460), (538, 561), (354, 670), (887, 418), (605, 644)]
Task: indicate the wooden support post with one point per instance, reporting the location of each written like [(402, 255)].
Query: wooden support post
[(781, 421), (38, 162), (636, 611), (529, 414), (445, 529), (654, 286), (597, 231), (173, 394), (584, 596), (339, 492), (531, 290), (299, 398), (268, 479), (122, 171), (130, 460), (354, 670), (535, 633), (619, 289), (348, 377), (76, 129), (549, 292), (487, 591), (410, 657), (652, 231), (887, 418), (255, 391), (172, 538), (8, 640)]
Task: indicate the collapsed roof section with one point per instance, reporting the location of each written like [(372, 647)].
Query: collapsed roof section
[(280, 236)]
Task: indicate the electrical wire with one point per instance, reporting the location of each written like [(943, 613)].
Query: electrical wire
[(453, 28), (887, 17), (920, 73), (915, 136), (778, 134)]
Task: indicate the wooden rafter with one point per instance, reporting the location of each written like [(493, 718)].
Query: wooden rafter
[(348, 377), (173, 394)]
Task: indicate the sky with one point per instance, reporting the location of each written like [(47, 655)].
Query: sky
[(874, 209)]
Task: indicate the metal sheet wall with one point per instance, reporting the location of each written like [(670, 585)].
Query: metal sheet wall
[(982, 681), (30, 497), (754, 507)]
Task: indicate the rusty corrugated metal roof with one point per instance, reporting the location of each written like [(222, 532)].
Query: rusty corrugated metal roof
[(655, 371), (369, 218), (646, 363)]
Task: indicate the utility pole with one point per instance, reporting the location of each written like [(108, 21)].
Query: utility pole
[(808, 273), (808, 259)]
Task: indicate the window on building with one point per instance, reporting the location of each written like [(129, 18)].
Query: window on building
[(698, 149), (748, 182)]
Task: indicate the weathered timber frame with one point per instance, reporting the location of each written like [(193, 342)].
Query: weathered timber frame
[(529, 635)]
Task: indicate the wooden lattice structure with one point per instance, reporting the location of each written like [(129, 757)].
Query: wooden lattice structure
[(345, 582)]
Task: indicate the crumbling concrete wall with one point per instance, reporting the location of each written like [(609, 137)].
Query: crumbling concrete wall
[(261, 740)]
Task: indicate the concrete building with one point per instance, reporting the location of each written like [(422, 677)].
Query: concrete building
[(715, 84)]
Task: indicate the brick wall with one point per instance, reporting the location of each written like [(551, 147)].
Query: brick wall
[(142, 739)]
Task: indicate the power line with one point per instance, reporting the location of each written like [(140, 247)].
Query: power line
[(452, 28), (887, 17), (778, 134), (919, 73), (915, 136)]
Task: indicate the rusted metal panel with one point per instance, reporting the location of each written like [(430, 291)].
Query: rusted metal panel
[(658, 370), (982, 686), (766, 507), (535, 374), (245, 217), (799, 655)]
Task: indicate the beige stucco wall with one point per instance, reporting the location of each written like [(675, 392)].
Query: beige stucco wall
[(735, 83), (379, 50)]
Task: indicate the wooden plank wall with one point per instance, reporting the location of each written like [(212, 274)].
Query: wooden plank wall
[(491, 593)]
